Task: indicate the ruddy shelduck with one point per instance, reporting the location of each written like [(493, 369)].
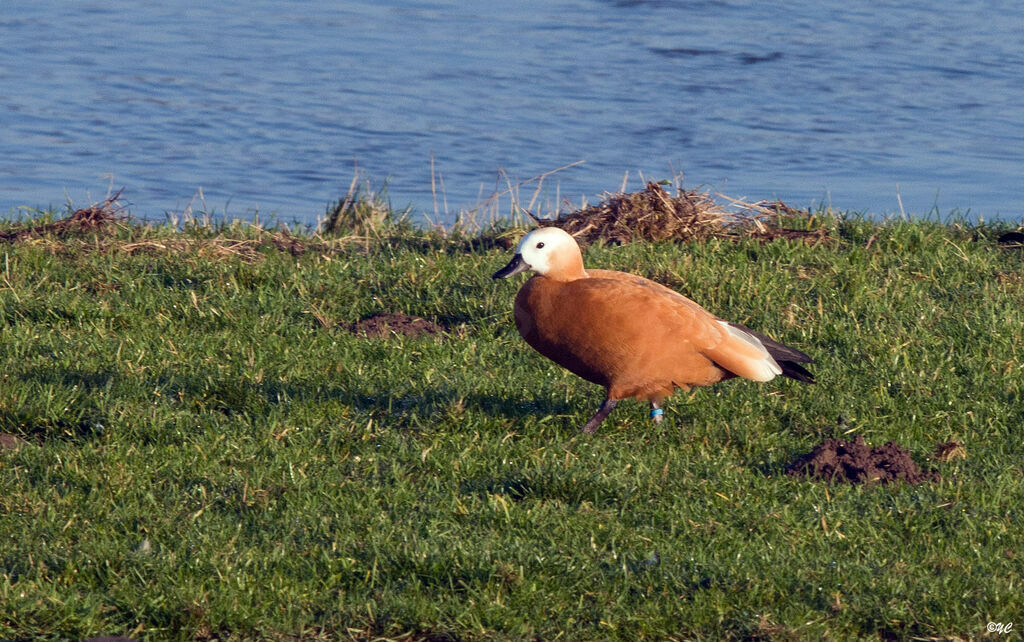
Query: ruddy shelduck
[(635, 337)]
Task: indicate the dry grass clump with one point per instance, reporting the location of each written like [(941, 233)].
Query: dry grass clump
[(364, 219), (83, 220), (650, 215), (362, 212), (950, 450), (94, 228), (249, 250), (655, 215), (766, 221)]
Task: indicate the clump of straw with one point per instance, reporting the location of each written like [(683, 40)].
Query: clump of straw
[(649, 215)]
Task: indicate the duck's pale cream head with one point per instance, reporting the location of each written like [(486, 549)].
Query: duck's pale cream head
[(548, 251)]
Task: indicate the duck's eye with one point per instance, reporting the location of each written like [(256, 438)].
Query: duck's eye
[(540, 245)]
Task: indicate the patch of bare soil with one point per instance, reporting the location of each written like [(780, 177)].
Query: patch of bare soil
[(857, 463), (11, 442), (384, 324)]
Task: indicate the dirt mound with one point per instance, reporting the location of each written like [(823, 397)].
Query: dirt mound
[(11, 442), (857, 463), (385, 324)]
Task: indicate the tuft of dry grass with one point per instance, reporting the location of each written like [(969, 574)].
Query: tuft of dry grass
[(364, 219), (768, 220), (649, 215), (950, 450), (249, 250), (655, 215), (84, 220), (362, 212)]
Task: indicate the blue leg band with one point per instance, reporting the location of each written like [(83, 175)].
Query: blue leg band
[(656, 411)]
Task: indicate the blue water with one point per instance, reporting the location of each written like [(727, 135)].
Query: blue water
[(266, 106)]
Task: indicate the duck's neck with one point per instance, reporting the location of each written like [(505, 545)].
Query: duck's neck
[(569, 267)]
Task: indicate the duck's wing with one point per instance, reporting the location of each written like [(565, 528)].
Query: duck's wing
[(786, 357), (633, 306), (653, 286)]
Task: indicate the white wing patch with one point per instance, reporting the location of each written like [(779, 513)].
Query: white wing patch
[(764, 368)]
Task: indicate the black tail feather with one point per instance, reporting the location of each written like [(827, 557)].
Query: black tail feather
[(794, 370), (789, 359)]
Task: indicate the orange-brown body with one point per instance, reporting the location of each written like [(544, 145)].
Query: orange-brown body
[(625, 336)]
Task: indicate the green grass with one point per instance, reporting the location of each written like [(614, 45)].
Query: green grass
[(214, 456)]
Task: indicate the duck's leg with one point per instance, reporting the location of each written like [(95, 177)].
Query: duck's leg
[(607, 406), (657, 414)]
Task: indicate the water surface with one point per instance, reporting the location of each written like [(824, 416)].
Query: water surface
[(268, 105)]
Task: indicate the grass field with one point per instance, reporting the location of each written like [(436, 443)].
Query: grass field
[(212, 454)]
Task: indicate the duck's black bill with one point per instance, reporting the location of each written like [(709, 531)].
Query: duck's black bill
[(515, 266)]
